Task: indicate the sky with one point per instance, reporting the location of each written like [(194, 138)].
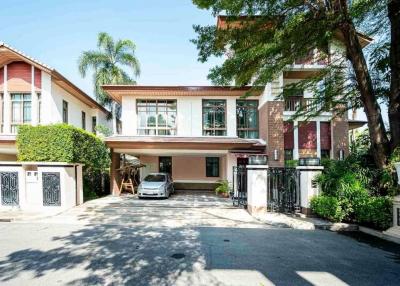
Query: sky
[(57, 31)]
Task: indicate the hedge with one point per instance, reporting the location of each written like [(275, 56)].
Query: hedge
[(65, 143), (61, 143)]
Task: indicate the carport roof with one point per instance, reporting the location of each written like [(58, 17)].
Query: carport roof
[(175, 142)]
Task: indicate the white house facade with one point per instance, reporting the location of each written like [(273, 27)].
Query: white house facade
[(34, 93)]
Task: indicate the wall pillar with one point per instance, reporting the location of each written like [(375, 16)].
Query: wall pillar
[(7, 104), (308, 187), (34, 99), (394, 231), (114, 175), (257, 187), (296, 140)]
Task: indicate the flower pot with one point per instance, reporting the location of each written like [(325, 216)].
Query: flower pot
[(397, 166), (223, 195)]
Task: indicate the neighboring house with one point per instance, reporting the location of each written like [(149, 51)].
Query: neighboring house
[(199, 133), (34, 93)]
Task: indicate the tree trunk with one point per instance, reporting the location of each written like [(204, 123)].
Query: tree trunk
[(394, 98), (377, 132)]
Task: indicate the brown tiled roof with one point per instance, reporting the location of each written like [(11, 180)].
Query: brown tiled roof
[(117, 91)]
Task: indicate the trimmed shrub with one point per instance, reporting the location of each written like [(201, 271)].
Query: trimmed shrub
[(375, 212), (61, 143), (327, 207), (65, 143)]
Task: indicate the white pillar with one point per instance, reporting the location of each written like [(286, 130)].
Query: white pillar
[(318, 139), (230, 163), (34, 106), (257, 187), (7, 104), (296, 140), (308, 188), (231, 117)]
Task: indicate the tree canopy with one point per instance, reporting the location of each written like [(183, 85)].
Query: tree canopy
[(264, 37)]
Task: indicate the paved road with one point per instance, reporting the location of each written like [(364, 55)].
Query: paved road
[(117, 241)]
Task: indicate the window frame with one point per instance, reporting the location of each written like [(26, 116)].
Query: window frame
[(22, 115), (214, 129), (157, 129), (94, 124), (210, 173), (65, 111), (83, 117), (246, 130)]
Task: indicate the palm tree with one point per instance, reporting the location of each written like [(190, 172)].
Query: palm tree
[(111, 64)]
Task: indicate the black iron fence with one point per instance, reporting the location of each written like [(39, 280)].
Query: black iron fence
[(239, 188), (283, 192)]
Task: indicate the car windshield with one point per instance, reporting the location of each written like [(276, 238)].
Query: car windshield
[(155, 178)]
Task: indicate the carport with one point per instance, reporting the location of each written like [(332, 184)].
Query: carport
[(195, 163)]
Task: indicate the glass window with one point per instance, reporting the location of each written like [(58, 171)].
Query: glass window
[(247, 118), (83, 120), (212, 167), (21, 110), (156, 117), (214, 117), (65, 111), (94, 124)]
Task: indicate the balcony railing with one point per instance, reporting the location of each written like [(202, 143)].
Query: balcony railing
[(295, 103)]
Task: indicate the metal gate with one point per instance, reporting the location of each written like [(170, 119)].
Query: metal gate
[(9, 188), (283, 194), (239, 193), (51, 189)]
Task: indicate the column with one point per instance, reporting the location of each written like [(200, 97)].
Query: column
[(114, 176), (231, 117), (7, 105), (34, 100), (296, 140), (308, 187), (318, 139), (257, 187)]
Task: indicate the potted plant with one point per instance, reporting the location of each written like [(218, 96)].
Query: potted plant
[(222, 188)]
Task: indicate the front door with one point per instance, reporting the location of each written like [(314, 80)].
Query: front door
[(165, 165), (242, 161)]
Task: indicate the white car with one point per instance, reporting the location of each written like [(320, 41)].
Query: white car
[(156, 185)]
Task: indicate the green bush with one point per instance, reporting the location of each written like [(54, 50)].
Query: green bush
[(327, 207), (61, 143), (291, 163), (65, 143), (375, 212)]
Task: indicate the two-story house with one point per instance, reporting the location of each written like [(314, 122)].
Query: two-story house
[(199, 133), (34, 93)]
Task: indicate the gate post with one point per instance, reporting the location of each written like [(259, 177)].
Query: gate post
[(257, 187), (308, 186)]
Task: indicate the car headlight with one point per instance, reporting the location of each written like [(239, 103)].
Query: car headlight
[(161, 188)]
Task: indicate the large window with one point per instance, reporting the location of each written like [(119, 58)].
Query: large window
[(39, 106), (21, 110), (247, 118), (65, 111), (212, 166), (214, 117), (156, 117)]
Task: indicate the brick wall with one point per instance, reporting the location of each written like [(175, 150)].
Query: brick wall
[(271, 130)]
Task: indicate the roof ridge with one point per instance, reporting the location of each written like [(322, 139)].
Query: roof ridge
[(25, 55)]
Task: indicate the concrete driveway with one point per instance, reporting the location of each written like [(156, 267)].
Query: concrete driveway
[(125, 241)]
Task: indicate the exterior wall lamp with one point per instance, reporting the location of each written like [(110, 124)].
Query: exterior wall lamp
[(341, 154), (276, 155)]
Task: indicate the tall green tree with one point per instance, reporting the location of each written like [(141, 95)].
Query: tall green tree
[(114, 62), (274, 33)]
